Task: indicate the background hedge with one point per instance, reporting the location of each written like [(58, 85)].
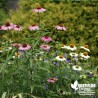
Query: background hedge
[(80, 18)]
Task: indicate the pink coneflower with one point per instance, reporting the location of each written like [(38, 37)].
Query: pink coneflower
[(24, 47), (45, 47), (39, 9), (0, 27), (46, 39), (7, 26), (52, 80), (33, 27), (16, 45), (17, 28), (60, 27)]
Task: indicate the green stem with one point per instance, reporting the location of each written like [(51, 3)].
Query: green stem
[(38, 18)]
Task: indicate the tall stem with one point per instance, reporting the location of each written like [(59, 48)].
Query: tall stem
[(38, 17)]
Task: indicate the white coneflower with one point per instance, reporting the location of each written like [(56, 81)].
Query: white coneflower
[(72, 47), (3, 43), (1, 51), (77, 68), (68, 93), (9, 48), (73, 54), (9, 63), (83, 76), (60, 58), (18, 54), (85, 47), (64, 46), (85, 55), (61, 92)]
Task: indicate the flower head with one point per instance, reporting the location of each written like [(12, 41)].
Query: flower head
[(1, 51), (72, 47), (56, 63), (16, 45), (67, 60), (83, 76), (46, 39), (85, 47), (63, 46), (9, 48), (17, 28), (0, 27), (24, 47), (39, 9), (45, 47), (76, 67), (7, 26), (61, 92), (60, 27), (85, 55), (52, 80), (60, 58), (18, 54), (90, 74), (33, 27), (72, 54)]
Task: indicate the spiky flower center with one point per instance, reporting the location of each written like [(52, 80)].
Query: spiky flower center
[(17, 26), (62, 45), (61, 91), (55, 79), (86, 46), (46, 37), (52, 79), (38, 7), (71, 45), (61, 57), (85, 53), (7, 24), (73, 54), (33, 25), (61, 25), (24, 45), (17, 45), (45, 46), (77, 66)]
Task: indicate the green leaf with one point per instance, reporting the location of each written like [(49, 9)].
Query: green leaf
[(32, 87), (31, 63), (41, 68)]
